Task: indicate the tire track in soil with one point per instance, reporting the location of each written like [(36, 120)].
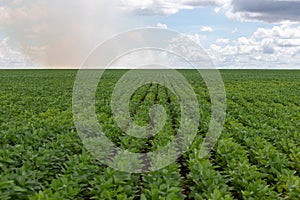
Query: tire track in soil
[(134, 112), (146, 160), (181, 161)]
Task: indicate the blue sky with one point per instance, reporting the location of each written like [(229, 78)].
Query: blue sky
[(235, 33), (191, 22)]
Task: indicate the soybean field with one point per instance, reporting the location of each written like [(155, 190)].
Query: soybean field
[(256, 157)]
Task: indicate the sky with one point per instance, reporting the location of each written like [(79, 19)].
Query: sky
[(262, 34)]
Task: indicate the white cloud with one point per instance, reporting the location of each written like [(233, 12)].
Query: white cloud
[(274, 47), (222, 41), (11, 58), (234, 31), (166, 7), (163, 26), (207, 29), (197, 38)]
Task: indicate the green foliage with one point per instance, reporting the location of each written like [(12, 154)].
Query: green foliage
[(257, 157)]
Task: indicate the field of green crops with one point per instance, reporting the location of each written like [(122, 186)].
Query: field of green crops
[(256, 157)]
